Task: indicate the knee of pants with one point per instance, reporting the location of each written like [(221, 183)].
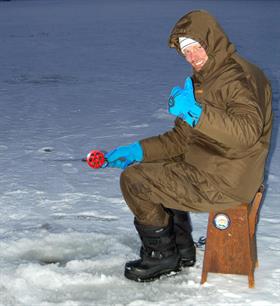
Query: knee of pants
[(126, 176), (133, 180), (137, 192)]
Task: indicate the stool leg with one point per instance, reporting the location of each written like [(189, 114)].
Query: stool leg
[(253, 216), (203, 277), (251, 279), (205, 267), (207, 252)]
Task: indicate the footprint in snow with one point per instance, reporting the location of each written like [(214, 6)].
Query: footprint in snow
[(87, 216), (68, 168), (3, 148)]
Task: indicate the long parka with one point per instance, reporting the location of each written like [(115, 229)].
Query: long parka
[(224, 155)]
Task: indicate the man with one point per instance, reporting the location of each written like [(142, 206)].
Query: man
[(214, 156)]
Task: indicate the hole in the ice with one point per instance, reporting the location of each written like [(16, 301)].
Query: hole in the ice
[(53, 261), (47, 150)]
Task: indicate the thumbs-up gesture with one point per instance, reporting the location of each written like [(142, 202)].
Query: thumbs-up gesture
[(182, 103)]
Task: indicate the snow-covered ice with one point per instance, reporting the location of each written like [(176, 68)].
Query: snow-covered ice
[(81, 75)]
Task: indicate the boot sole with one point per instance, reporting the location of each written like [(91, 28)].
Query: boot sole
[(187, 263), (188, 256), (151, 278)]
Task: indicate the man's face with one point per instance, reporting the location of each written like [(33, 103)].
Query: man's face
[(195, 55)]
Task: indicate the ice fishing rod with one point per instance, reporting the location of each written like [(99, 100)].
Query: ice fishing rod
[(95, 159)]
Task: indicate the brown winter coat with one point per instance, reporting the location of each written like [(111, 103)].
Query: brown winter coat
[(229, 145)]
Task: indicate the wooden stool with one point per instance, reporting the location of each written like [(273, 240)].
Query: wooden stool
[(231, 241)]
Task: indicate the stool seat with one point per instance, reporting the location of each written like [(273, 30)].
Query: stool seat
[(231, 241)]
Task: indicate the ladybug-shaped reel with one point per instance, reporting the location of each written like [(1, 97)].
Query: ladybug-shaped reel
[(96, 159)]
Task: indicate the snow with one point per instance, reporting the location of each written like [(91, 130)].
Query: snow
[(82, 75)]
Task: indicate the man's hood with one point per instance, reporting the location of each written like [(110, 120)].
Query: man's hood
[(202, 27)]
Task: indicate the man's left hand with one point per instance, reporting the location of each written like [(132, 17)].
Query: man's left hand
[(182, 103)]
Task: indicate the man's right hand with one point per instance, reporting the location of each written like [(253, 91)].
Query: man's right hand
[(124, 156)]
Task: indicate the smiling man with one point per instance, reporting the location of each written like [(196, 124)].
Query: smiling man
[(193, 52), (214, 156)]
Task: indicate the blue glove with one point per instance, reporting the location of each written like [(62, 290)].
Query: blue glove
[(182, 103), (124, 156)]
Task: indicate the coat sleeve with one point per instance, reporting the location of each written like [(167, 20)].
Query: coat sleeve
[(240, 125), (170, 144)]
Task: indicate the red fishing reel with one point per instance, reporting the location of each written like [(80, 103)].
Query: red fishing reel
[(96, 159)]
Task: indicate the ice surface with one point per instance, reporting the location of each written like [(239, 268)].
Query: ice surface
[(82, 75)]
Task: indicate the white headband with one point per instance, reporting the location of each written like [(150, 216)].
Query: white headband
[(185, 42)]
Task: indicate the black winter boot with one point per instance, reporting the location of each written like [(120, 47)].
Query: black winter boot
[(184, 240), (159, 254)]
